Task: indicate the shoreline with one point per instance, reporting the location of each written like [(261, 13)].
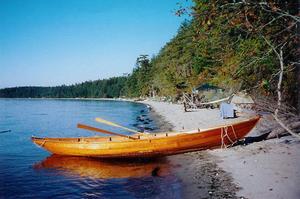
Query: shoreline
[(198, 172), (77, 98), (266, 169)]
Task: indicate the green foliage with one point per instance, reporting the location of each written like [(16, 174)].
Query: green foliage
[(224, 44), (139, 82)]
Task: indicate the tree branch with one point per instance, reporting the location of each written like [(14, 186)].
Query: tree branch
[(285, 127)]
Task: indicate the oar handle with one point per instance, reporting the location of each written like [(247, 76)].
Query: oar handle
[(90, 128)]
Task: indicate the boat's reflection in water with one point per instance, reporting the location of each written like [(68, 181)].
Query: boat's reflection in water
[(106, 169), (112, 179)]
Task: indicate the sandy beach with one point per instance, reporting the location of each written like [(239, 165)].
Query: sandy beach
[(266, 169)]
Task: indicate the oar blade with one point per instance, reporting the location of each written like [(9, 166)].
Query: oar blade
[(100, 120)]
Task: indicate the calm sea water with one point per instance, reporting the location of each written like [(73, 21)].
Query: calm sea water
[(27, 171)]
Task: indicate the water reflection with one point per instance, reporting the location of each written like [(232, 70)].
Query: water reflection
[(105, 169), (94, 178)]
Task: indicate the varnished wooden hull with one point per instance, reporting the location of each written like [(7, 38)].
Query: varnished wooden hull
[(153, 145)]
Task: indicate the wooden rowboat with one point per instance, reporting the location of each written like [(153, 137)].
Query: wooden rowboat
[(148, 145)]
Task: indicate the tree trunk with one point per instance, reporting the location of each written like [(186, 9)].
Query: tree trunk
[(280, 57)]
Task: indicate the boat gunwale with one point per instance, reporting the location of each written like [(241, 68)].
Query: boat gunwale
[(152, 136)]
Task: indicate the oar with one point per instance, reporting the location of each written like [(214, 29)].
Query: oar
[(90, 128), (100, 120)]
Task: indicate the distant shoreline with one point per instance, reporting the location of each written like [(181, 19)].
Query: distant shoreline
[(72, 98)]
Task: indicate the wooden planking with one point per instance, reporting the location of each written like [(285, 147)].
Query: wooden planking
[(147, 146)]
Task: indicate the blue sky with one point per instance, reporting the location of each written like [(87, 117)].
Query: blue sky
[(54, 42)]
